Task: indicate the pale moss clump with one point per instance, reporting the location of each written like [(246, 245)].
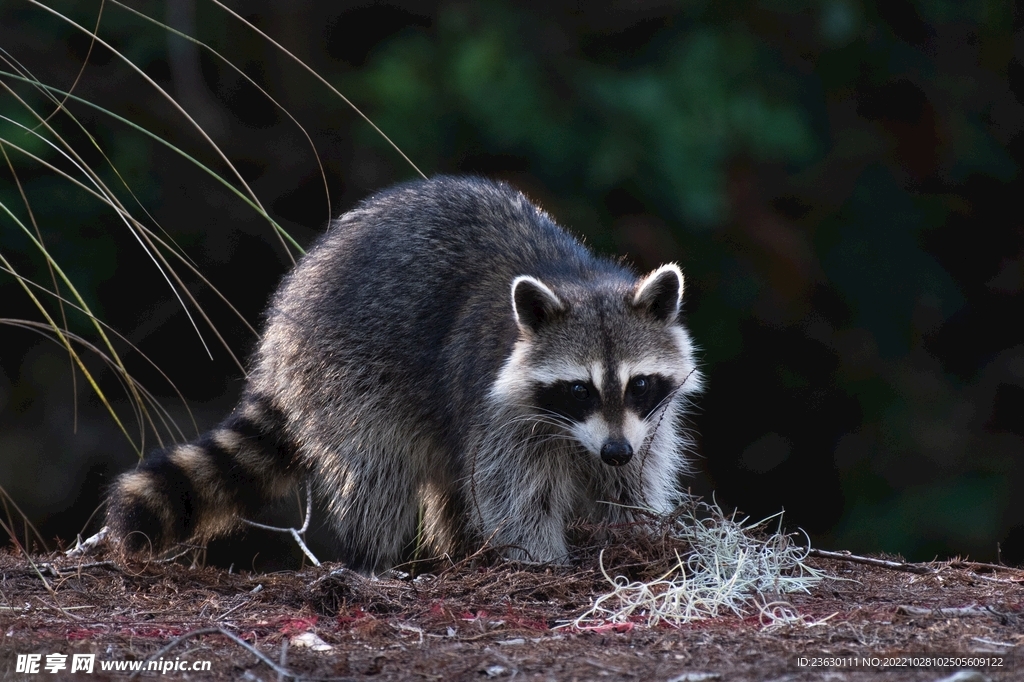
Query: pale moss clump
[(730, 566)]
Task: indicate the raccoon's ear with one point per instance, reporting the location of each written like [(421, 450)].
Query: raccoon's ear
[(533, 303), (660, 293)]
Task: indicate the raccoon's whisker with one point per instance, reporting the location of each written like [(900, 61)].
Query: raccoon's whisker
[(549, 437), (539, 419), (545, 422), (535, 435), (535, 412), (530, 418)]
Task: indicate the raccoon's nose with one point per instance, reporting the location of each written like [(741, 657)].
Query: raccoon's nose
[(616, 452)]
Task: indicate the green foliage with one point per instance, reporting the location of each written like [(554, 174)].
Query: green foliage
[(674, 120)]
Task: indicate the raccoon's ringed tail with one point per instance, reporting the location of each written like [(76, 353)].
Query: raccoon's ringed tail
[(198, 491)]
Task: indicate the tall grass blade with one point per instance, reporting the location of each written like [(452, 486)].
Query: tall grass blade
[(323, 80)]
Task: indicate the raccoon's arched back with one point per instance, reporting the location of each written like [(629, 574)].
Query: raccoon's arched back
[(412, 269)]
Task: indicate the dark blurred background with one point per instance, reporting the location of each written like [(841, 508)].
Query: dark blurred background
[(840, 181)]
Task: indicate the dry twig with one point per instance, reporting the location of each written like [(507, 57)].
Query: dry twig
[(920, 569), (91, 544), (282, 672), (296, 533)]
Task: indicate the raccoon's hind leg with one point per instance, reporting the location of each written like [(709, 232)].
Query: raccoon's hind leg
[(386, 495), (203, 489)]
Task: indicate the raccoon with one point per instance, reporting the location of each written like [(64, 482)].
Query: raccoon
[(448, 367)]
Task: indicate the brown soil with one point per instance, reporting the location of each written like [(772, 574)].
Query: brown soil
[(492, 621)]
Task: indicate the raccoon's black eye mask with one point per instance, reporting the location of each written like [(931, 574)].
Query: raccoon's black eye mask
[(577, 400), (638, 386), (645, 393), (574, 400)]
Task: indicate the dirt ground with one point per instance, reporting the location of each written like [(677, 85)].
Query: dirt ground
[(493, 621)]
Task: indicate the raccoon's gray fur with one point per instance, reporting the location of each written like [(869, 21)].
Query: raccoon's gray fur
[(445, 361)]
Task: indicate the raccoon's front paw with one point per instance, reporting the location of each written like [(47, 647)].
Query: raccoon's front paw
[(557, 555)]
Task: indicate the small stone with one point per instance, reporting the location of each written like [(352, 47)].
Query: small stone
[(310, 640)]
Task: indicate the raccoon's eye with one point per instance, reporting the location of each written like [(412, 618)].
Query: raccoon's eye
[(638, 386), (579, 391)]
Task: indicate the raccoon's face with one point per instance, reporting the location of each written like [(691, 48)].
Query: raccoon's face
[(605, 361)]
